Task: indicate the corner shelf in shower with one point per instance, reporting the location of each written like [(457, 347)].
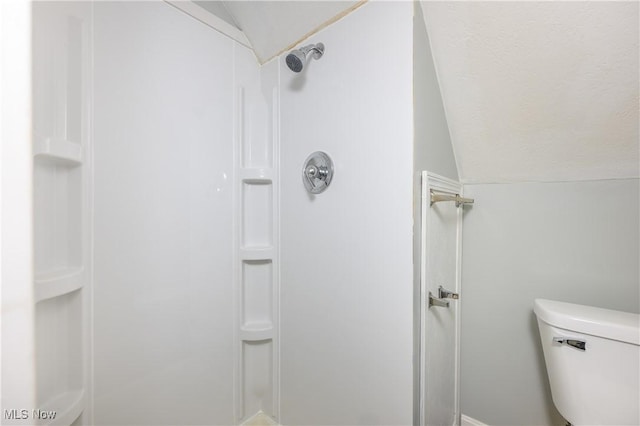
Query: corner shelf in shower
[(252, 332), (68, 407), (60, 151), (257, 253), (57, 282), (256, 175)]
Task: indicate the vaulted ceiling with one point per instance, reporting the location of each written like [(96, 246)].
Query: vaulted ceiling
[(533, 91), (274, 26), (539, 91)]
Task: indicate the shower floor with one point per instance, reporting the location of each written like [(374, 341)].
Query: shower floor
[(260, 419)]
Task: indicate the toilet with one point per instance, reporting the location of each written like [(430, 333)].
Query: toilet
[(593, 362)]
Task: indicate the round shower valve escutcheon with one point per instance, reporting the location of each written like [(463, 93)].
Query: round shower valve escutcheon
[(317, 172)]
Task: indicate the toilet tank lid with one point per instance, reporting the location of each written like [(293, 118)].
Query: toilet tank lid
[(607, 323)]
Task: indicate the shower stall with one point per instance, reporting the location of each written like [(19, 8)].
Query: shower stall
[(181, 271)]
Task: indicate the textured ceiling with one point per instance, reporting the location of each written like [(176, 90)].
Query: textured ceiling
[(533, 91), (539, 91)]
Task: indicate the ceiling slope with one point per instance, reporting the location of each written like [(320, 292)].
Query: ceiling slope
[(218, 8), (274, 26), (539, 91), (533, 91)]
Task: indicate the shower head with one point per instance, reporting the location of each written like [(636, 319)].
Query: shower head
[(297, 59)]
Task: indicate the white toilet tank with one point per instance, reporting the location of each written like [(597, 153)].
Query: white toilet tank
[(593, 362)]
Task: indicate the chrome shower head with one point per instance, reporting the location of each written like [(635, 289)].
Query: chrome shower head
[(297, 59)]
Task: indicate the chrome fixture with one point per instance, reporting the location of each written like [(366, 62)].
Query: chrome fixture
[(443, 294), (297, 59), (446, 294), (317, 172), (437, 196), (434, 301), (574, 343)]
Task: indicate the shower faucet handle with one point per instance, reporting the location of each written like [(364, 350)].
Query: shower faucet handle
[(317, 172)]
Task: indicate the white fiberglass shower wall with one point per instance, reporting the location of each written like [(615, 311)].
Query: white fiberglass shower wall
[(347, 284), (155, 223), (163, 321), (209, 285), (185, 248)]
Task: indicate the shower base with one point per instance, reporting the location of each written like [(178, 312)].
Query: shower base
[(260, 419)]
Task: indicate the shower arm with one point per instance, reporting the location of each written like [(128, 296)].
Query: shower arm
[(317, 49)]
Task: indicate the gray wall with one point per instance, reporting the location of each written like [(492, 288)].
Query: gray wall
[(432, 151), (572, 241)]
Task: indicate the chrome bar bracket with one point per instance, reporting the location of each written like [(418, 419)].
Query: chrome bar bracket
[(437, 196), (443, 293), (434, 301)]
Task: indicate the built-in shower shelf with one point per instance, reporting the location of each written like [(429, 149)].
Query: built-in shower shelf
[(67, 407), (57, 282), (256, 175), (257, 253), (256, 331), (58, 150)]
